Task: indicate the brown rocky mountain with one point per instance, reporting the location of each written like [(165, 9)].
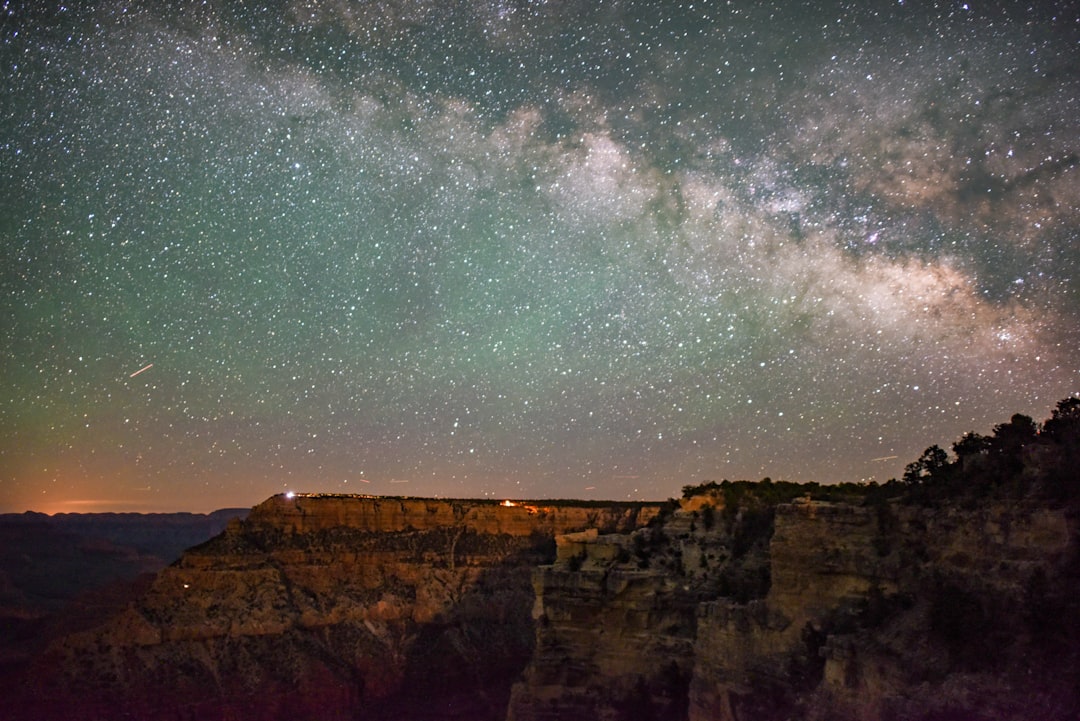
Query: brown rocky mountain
[(327, 607), (725, 605), (869, 613)]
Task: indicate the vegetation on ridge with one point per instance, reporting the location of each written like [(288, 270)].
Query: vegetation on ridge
[(1020, 459)]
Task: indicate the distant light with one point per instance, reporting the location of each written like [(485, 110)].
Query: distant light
[(509, 504), (290, 494)]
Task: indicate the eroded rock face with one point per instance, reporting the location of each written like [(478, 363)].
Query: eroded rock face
[(892, 612), (616, 621), (376, 608), (754, 658), (329, 607), (311, 513), (865, 612)]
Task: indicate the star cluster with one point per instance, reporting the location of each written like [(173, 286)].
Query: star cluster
[(524, 248)]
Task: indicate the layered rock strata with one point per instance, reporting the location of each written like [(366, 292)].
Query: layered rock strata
[(330, 607), (617, 618), (376, 608), (893, 612), (846, 612)]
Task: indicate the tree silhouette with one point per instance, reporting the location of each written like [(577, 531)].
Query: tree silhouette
[(1014, 435), (1061, 469), (971, 444), (931, 467), (1064, 422), (1007, 448)]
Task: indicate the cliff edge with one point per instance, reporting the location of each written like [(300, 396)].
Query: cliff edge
[(742, 601), (328, 607), (814, 610)]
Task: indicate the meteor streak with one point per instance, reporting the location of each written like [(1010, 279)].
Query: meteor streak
[(146, 367)]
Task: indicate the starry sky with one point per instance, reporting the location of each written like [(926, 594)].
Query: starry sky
[(524, 248)]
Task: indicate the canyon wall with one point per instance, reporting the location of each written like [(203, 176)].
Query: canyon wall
[(867, 612), (328, 607), (332, 607), (312, 513), (617, 616), (69, 572)]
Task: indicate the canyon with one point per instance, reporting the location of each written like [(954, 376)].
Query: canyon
[(327, 607), (845, 612), (709, 607), (72, 571)]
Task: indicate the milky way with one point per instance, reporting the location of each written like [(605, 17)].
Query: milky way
[(524, 249)]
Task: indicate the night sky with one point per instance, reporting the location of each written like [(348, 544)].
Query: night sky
[(563, 249)]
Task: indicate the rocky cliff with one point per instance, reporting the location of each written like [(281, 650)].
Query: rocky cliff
[(894, 612), (722, 607), (877, 611), (617, 616), (328, 607), (308, 514)]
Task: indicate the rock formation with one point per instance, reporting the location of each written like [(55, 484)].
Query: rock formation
[(329, 607), (617, 616), (868, 612), (722, 607)]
